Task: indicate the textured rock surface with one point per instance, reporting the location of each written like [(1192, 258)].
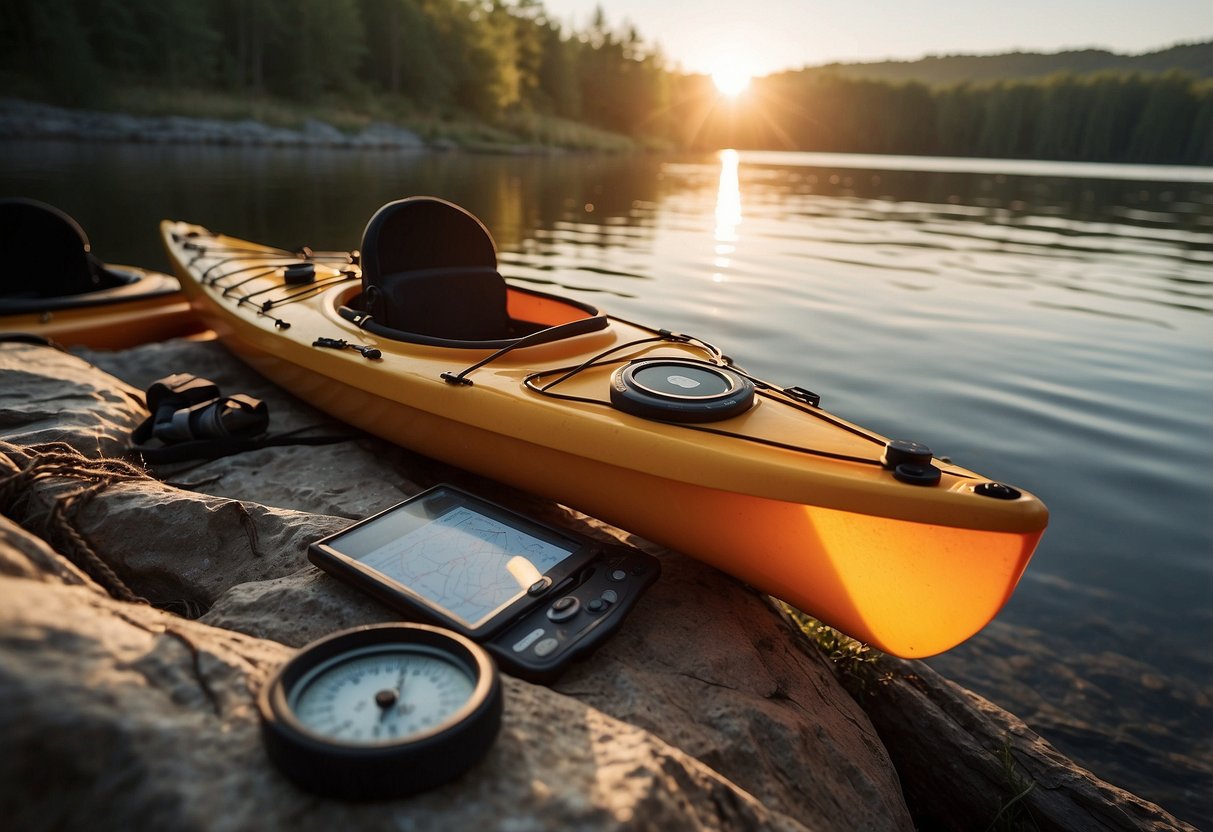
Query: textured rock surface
[(350, 479), (29, 120), (708, 710), (22, 555), (1090, 701), (120, 716), (988, 762), (65, 401), (704, 712)]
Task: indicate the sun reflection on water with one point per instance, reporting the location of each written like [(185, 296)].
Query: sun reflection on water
[(728, 214)]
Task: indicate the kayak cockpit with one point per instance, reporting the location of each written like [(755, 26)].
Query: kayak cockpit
[(48, 264), (429, 276), (527, 312)]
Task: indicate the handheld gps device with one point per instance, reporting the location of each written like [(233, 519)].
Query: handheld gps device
[(535, 596)]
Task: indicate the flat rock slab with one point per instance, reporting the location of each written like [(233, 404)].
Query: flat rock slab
[(121, 716), (706, 711), (29, 120)]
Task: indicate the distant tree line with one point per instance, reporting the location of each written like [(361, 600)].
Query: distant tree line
[(484, 58), (489, 59), (1192, 58), (1106, 117)]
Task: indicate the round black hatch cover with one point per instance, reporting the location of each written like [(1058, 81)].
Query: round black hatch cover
[(680, 390)]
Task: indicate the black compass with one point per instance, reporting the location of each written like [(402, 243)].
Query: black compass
[(680, 390), (381, 712)]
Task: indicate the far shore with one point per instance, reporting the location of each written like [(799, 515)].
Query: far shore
[(21, 119)]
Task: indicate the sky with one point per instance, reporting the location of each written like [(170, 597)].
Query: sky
[(758, 37)]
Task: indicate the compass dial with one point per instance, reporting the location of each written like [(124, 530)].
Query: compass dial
[(379, 694), (381, 712)]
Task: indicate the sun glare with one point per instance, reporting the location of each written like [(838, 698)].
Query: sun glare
[(731, 81)]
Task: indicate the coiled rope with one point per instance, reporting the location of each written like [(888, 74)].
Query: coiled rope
[(22, 467)]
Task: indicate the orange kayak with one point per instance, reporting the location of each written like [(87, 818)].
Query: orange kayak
[(421, 342), (52, 286)]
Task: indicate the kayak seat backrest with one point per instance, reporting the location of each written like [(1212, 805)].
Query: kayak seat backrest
[(453, 303), (44, 253), (430, 268)]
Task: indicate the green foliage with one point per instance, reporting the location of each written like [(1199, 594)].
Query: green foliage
[(502, 61), (1013, 814), (945, 70), (325, 48), (51, 43), (1106, 117), (1200, 143), (559, 91), (857, 664), (403, 53)]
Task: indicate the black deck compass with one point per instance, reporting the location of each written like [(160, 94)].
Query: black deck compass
[(381, 712), (680, 390)]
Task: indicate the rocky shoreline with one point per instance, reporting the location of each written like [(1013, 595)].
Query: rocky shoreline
[(21, 119), (709, 710)]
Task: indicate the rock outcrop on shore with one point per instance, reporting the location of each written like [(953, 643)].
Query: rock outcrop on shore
[(708, 710), (31, 120)]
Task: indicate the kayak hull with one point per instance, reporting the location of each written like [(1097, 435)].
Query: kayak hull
[(913, 574), (150, 308)]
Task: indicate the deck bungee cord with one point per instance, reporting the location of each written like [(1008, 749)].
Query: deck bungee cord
[(258, 275), (797, 398), (300, 294), (292, 259), (766, 389), (306, 286), (298, 277)]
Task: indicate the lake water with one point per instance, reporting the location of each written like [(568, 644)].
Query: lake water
[(1049, 325)]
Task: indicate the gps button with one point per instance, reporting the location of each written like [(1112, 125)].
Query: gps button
[(540, 586), (529, 639), (564, 608)]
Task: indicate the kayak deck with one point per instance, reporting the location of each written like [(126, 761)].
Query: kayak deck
[(785, 495)]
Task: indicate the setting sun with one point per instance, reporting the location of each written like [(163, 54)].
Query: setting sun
[(731, 81)]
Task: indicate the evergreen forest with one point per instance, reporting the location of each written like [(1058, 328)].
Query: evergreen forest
[(496, 62)]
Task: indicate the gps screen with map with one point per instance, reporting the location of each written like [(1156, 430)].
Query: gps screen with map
[(469, 560)]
